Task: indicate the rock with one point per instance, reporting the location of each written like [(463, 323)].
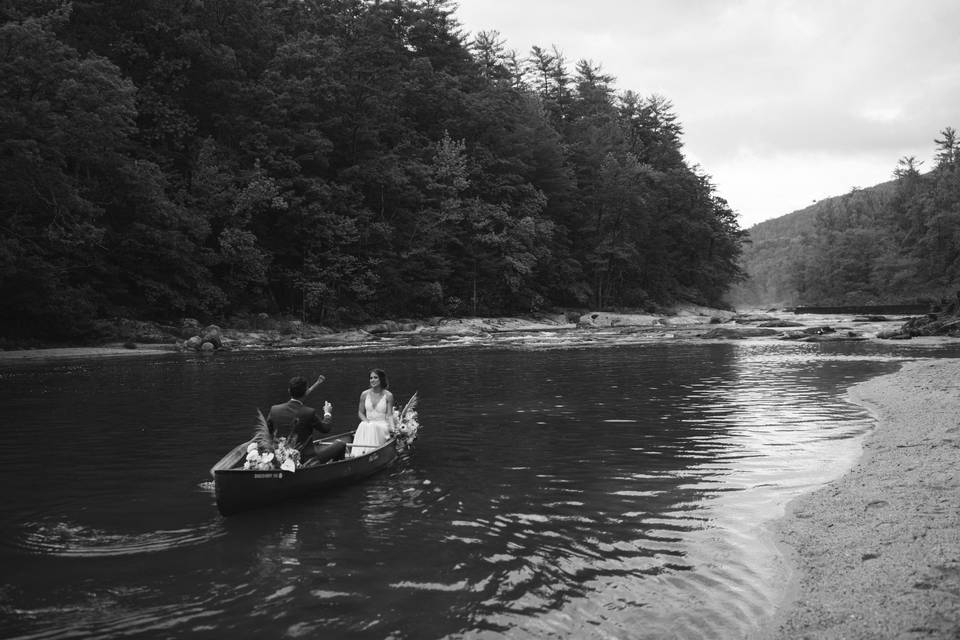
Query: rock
[(810, 331), (193, 343), (746, 318), (345, 337), (213, 335), (847, 336), (931, 325), (387, 326), (207, 347), (600, 320), (687, 321), (708, 313), (819, 330), (736, 333), (457, 327), (893, 335)]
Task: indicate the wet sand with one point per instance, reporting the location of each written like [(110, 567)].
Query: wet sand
[(876, 554)]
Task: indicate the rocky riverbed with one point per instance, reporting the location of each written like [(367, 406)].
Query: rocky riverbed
[(121, 337)]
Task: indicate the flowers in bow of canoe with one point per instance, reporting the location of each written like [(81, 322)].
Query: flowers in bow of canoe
[(265, 453), (406, 425)]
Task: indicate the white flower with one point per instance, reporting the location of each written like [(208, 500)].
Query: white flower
[(289, 465)]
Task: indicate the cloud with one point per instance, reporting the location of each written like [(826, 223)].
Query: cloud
[(809, 95)]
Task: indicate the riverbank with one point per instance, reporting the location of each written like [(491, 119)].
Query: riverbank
[(876, 554), (542, 330)]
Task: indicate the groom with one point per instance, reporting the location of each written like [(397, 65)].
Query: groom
[(296, 420)]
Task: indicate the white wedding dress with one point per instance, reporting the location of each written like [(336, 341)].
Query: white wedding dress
[(374, 431)]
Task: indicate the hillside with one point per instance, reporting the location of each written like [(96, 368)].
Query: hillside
[(896, 242)]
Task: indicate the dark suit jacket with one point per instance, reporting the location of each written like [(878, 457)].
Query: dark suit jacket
[(296, 421)]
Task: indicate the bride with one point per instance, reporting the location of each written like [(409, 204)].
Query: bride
[(376, 415)]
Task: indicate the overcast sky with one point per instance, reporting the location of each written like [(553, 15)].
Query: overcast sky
[(782, 102)]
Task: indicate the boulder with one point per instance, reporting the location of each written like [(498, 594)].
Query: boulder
[(737, 333), (343, 337), (458, 327), (603, 320), (894, 335), (846, 336), (708, 313), (213, 335), (689, 320), (387, 326), (748, 318), (780, 323)]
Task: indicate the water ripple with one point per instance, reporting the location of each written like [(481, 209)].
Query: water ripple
[(603, 493), (66, 539)]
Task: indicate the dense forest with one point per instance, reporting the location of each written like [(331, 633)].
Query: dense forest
[(894, 243), (335, 160)]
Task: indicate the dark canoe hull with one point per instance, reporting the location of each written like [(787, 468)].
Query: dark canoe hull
[(240, 490)]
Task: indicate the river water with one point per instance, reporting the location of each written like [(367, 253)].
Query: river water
[(581, 492)]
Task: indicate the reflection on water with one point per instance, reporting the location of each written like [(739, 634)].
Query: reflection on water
[(617, 492)]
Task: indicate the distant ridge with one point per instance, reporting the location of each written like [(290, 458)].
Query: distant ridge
[(780, 253)]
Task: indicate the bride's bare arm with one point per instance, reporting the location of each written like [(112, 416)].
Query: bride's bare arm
[(390, 420), (362, 410)]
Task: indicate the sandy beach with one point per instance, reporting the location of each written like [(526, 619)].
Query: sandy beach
[(876, 554)]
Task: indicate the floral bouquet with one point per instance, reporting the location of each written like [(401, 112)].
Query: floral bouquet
[(406, 426), (264, 453)]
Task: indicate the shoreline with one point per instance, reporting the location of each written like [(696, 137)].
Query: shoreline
[(67, 353), (692, 323), (876, 553)]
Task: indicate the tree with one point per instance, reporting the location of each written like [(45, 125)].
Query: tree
[(491, 56), (948, 148), (908, 167), (65, 119)]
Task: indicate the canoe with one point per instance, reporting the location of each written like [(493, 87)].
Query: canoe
[(239, 489)]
